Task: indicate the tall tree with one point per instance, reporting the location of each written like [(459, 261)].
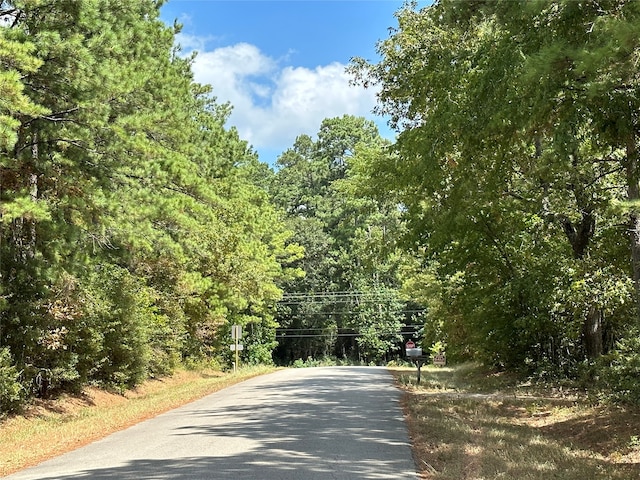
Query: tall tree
[(507, 156), (133, 232), (61, 159), (347, 304)]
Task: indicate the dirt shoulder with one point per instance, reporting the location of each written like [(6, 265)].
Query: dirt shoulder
[(48, 428)]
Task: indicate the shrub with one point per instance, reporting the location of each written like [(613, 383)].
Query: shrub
[(11, 392), (622, 374), (119, 317)]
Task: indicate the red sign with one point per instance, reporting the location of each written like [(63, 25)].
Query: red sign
[(410, 344)]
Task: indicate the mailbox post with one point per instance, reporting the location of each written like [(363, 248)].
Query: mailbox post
[(414, 354)]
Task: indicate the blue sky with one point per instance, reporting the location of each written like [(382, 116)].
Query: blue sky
[(281, 64)]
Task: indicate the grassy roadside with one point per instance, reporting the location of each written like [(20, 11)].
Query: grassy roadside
[(469, 425), (49, 428)]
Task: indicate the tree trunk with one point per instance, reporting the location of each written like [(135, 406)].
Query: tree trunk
[(633, 195), (592, 332), (579, 236), (33, 192)]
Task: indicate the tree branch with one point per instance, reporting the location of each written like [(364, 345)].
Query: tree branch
[(602, 175)]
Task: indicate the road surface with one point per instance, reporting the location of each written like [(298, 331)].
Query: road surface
[(333, 423)]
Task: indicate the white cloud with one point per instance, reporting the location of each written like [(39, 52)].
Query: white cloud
[(272, 104), (232, 71), (190, 42)]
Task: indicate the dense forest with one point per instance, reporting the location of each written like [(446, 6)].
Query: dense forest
[(502, 225), (349, 304), (134, 231), (517, 166)]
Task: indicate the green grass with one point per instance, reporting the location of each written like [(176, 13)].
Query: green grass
[(467, 377)]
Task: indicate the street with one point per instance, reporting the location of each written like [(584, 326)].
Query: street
[(314, 423)]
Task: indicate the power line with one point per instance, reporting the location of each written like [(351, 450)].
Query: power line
[(307, 329), (337, 295), (352, 312), (319, 335), (341, 297), (284, 333), (329, 335)]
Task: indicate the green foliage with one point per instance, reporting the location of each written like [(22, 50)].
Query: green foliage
[(134, 226), (120, 307), (311, 362), (514, 154), (379, 322), (620, 370), (11, 392), (346, 304), (16, 58)]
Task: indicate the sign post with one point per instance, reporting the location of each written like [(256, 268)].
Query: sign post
[(236, 335)]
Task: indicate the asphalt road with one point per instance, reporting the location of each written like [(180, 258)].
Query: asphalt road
[(333, 423)]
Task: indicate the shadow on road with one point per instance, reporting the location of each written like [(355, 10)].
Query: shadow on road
[(333, 423)]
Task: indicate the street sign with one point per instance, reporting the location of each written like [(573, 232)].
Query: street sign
[(236, 336), (440, 359), (409, 344), (236, 332)]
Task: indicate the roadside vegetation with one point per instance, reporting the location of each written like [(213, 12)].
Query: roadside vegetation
[(468, 423), (502, 224), (47, 428)]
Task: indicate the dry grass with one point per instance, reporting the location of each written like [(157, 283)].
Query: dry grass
[(461, 429), (49, 428), (464, 424)]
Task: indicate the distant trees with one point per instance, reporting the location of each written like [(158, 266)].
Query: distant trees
[(132, 234), (517, 165), (348, 304)]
